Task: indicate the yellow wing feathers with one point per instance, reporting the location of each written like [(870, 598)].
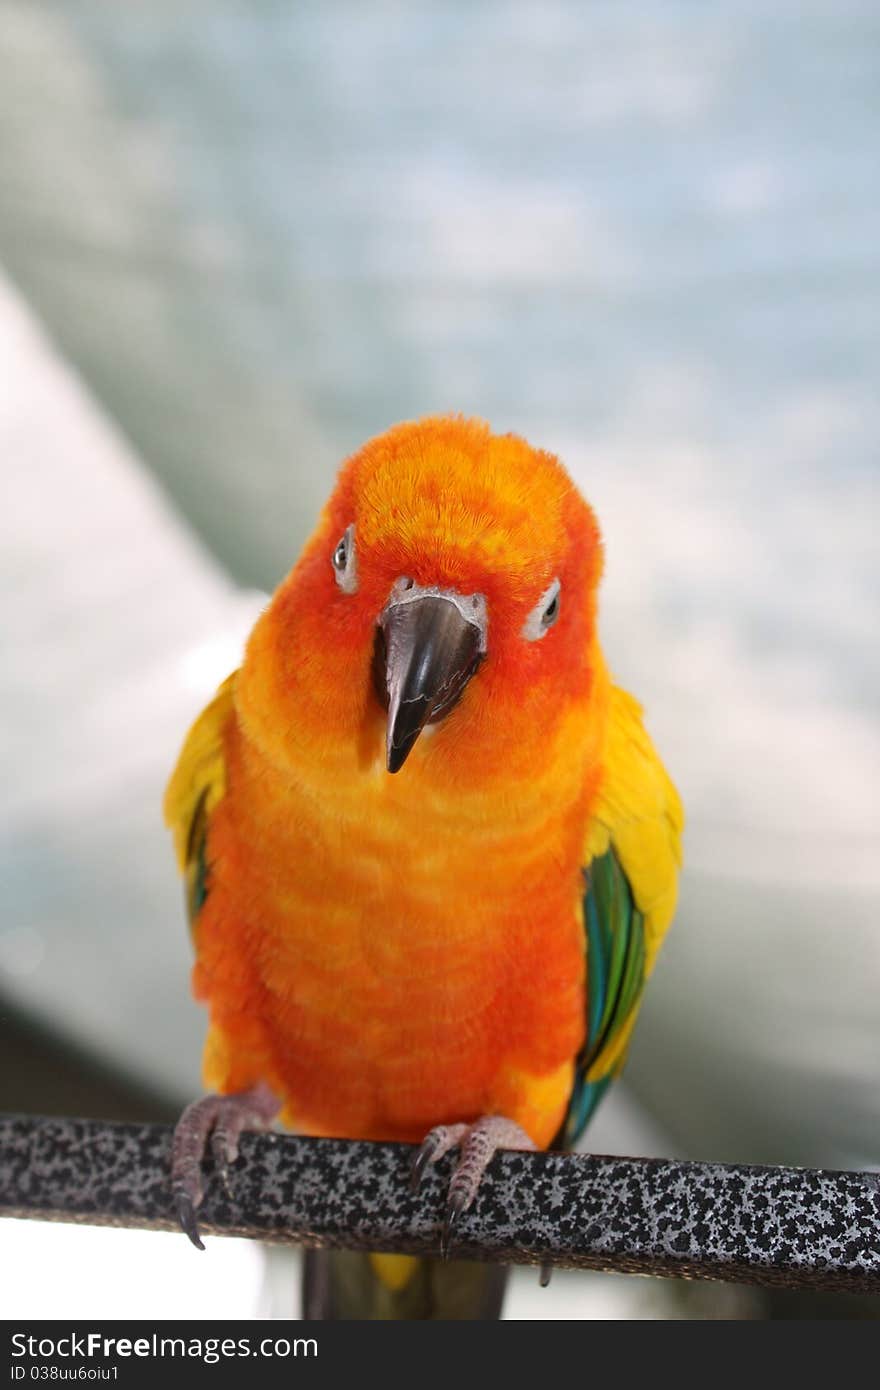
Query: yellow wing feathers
[(199, 779), (640, 814)]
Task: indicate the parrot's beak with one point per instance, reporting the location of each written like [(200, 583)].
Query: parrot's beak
[(428, 645)]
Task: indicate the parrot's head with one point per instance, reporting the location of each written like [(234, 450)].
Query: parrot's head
[(450, 586)]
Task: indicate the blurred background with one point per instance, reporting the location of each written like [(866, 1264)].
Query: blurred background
[(236, 240)]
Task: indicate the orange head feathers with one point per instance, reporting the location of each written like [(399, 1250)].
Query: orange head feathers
[(453, 575)]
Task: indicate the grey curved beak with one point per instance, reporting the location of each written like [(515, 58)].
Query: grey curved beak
[(428, 647)]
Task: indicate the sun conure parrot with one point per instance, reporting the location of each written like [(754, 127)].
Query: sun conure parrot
[(430, 851)]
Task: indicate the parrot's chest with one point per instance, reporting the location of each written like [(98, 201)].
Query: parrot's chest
[(415, 964)]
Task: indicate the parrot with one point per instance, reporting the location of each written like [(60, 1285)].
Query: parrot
[(429, 850)]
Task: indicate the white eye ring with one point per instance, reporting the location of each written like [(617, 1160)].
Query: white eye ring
[(544, 613), (344, 562)]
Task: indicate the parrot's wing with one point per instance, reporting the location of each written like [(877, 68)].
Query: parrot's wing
[(634, 855), (197, 784)]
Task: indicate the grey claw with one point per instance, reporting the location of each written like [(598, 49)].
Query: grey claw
[(454, 1208), (186, 1215), (421, 1162), (546, 1274)]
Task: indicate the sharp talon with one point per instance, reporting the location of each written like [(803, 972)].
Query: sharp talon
[(421, 1162), (186, 1215), (546, 1275), (213, 1124), (478, 1143), (454, 1208)]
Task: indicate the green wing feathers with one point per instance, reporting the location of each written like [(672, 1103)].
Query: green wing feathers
[(615, 931)]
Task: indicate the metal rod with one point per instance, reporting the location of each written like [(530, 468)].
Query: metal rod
[(795, 1227)]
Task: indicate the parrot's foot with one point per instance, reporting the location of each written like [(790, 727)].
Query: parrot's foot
[(478, 1143), (218, 1121)]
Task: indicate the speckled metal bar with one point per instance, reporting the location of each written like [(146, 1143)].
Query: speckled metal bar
[(783, 1226)]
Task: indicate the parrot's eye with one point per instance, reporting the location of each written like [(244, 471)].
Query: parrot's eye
[(544, 614), (345, 562)]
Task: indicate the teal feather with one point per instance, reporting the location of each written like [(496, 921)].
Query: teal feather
[(615, 945)]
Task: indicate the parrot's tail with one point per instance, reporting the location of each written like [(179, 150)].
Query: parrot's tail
[(339, 1285)]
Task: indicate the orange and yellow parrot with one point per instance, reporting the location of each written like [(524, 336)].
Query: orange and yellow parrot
[(430, 851)]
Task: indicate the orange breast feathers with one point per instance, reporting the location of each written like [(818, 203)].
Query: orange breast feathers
[(390, 950)]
